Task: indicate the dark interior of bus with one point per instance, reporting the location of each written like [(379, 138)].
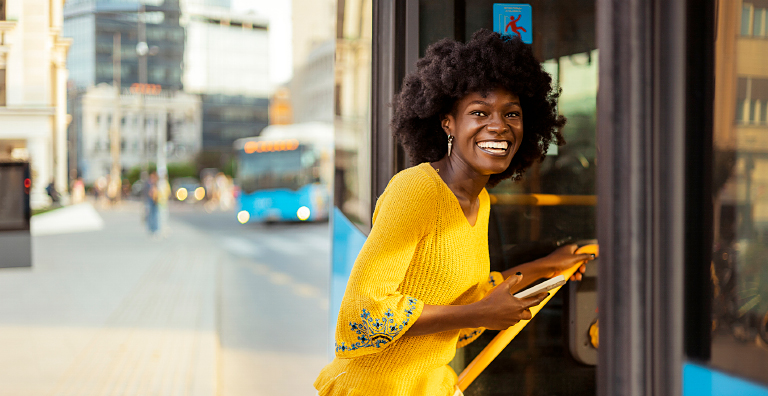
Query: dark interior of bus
[(539, 361)]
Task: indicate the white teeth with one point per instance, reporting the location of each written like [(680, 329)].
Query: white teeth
[(493, 145)]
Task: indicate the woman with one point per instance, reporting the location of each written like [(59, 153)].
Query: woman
[(471, 115)]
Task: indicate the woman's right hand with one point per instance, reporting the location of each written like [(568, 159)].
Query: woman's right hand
[(499, 310)]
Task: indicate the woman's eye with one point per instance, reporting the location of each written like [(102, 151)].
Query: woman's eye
[(477, 113), (513, 114)]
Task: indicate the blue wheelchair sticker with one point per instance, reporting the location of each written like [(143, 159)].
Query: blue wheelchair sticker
[(513, 20)]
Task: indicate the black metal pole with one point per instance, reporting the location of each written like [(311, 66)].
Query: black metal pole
[(641, 190)]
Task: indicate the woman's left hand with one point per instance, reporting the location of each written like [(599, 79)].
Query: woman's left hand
[(564, 258)]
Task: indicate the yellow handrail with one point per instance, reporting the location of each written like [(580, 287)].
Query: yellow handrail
[(544, 199), (501, 340)]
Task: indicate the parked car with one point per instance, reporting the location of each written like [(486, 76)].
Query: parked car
[(188, 189)]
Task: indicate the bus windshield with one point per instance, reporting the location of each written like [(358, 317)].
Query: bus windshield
[(274, 170)]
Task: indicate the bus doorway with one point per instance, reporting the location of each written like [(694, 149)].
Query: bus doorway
[(553, 204)]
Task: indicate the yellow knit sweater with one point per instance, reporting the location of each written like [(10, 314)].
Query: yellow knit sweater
[(421, 250)]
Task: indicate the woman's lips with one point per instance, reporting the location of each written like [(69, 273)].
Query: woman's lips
[(496, 148)]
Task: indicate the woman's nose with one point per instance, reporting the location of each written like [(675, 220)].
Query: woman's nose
[(495, 124)]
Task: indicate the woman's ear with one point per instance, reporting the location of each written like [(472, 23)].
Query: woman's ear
[(446, 122)]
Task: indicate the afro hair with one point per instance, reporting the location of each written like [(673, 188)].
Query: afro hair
[(451, 70)]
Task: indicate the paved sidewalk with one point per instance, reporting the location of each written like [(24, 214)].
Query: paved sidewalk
[(112, 312)]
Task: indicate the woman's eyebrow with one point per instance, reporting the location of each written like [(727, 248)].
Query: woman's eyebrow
[(480, 102)]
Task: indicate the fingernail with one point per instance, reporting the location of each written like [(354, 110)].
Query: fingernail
[(593, 256), (519, 274)]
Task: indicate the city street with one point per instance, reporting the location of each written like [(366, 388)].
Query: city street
[(215, 308)]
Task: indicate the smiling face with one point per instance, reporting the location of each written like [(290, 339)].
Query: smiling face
[(487, 130)]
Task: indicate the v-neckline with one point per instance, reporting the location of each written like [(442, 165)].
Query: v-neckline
[(456, 199)]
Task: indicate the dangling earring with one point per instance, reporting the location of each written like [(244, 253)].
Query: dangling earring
[(450, 144)]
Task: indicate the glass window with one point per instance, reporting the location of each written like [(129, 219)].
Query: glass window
[(2, 87), (764, 113), (739, 267), (273, 170), (352, 187), (746, 18), (754, 109), (757, 23)]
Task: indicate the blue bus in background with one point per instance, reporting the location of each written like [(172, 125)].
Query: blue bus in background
[(285, 174)]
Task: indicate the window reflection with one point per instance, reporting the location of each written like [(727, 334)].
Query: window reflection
[(352, 102), (739, 266)]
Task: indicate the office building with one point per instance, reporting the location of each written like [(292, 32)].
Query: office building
[(154, 128), (93, 25), (33, 93), (314, 56), (226, 62)]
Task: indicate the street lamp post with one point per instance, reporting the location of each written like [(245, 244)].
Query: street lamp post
[(143, 50), (115, 185)]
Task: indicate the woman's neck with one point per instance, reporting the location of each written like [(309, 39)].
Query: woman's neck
[(465, 182)]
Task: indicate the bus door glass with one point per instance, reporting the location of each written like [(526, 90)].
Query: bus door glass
[(553, 204), (739, 267)]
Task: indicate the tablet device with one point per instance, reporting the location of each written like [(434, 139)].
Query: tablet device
[(541, 287)]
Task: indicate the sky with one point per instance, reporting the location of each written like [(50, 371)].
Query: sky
[(279, 14)]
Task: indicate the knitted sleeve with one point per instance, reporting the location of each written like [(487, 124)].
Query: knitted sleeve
[(466, 336), (373, 312)]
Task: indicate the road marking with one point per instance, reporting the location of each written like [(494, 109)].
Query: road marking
[(240, 247), (279, 278), (283, 279)]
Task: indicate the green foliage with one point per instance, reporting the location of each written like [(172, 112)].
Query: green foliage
[(134, 174), (175, 171), (230, 168), (182, 169)]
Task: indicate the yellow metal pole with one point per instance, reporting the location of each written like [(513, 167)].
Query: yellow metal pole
[(501, 340)]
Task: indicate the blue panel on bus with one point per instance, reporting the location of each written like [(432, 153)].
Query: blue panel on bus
[(513, 19), (703, 381), (347, 242), (283, 204)]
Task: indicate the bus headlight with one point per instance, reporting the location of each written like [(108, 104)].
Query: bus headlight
[(181, 194), (303, 213), (243, 216)]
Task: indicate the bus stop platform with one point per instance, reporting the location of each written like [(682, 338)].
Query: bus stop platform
[(106, 310)]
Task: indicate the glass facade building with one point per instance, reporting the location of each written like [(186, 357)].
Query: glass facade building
[(227, 118), (93, 25)]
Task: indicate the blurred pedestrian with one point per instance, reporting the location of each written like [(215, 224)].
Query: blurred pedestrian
[(224, 188), (150, 200), (162, 193), (78, 191), (51, 190), (100, 190), (113, 189), (126, 186)]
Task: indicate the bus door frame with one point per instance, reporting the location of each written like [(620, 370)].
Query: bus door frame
[(654, 150), (395, 49)]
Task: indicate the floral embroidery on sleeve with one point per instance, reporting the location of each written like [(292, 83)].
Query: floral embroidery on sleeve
[(491, 280), (377, 332), (468, 336)]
